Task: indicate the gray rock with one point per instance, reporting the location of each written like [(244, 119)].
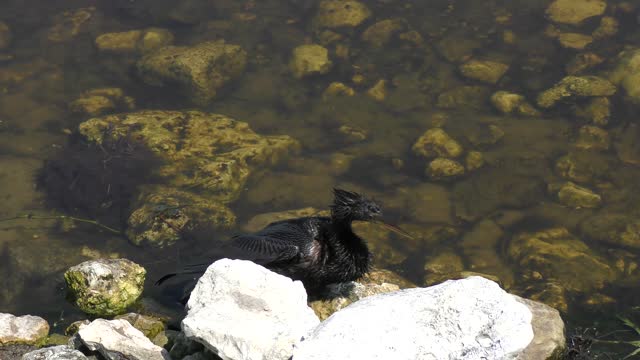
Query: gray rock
[(548, 329), (464, 319), (113, 338), (61, 352), (241, 310), (27, 329)]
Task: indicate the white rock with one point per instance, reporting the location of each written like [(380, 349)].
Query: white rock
[(61, 352), (108, 336), (241, 310), (459, 319), (25, 329)]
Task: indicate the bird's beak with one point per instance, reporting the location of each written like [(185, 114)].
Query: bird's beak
[(395, 229)]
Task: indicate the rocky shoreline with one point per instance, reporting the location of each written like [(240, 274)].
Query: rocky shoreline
[(240, 310)]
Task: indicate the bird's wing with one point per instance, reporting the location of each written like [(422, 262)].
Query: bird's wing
[(278, 241), (265, 249)]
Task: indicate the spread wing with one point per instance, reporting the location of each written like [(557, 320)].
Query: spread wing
[(280, 241)]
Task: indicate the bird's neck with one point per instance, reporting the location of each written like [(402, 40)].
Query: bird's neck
[(354, 246)]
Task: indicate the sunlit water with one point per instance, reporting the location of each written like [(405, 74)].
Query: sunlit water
[(515, 191)]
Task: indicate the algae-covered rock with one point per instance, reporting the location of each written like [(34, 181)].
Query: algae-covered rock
[(379, 34), (582, 62), (437, 143), (608, 27), (593, 137), (573, 12), (378, 91), (134, 40), (201, 70), (576, 86), (484, 70), (444, 266), (626, 73), (69, 24), (148, 325), (96, 102), (574, 41), (340, 13), (474, 160), (627, 144), (613, 229), (310, 59), (5, 35), (508, 103), (558, 255), (204, 152), (596, 111), (162, 214), (336, 89), (444, 169), (105, 287), (576, 196), (583, 166)]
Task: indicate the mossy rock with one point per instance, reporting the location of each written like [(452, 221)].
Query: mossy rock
[(105, 287)]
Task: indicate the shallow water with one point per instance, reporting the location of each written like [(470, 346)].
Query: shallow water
[(483, 220)]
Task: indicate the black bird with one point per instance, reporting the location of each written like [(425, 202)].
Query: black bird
[(318, 250)]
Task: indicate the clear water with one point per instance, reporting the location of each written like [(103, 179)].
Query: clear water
[(514, 189)]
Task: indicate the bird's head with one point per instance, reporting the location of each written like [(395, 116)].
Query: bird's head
[(350, 206)]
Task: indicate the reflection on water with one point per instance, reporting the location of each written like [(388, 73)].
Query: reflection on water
[(502, 135)]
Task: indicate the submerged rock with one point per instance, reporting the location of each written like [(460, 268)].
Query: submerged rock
[(574, 41), (309, 59), (162, 214), (406, 324), (240, 310), (443, 169), (626, 73), (574, 12), (202, 70), (576, 86), (100, 101), (484, 70), (134, 40), (114, 338), (593, 137), (380, 33), (508, 103), (576, 196), (206, 152), (627, 145), (584, 166), (5, 35), (105, 287), (340, 13), (437, 143), (597, 111), (69, 24), (558, 255), (23, 330), (613, 228)]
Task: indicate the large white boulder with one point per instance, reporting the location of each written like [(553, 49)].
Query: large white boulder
[(471, 318), (241, 310)]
